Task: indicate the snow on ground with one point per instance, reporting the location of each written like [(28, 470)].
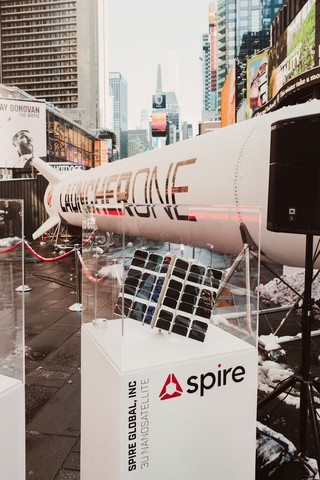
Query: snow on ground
[(270, 375), (278, 292), (9, 241)]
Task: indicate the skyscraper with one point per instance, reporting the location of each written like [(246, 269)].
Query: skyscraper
[(118, 90), (243, 29), (209, 67), (145, 121), (206, 73), (213, 59), (173, 116), (50, 49), (171, 110)]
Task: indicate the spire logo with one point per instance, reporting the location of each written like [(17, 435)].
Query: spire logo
[(221, 377), (171, 388)]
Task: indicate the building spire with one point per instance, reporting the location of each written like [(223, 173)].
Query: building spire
[(159, 80)]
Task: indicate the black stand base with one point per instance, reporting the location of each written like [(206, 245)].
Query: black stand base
[(307, 383), (306, 406)]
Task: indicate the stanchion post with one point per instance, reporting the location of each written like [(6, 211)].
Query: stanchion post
[(77, 307), (24, 287)]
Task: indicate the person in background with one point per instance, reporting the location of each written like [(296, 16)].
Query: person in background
[(22, 141)]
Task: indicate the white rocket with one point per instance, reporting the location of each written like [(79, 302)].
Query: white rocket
[(171, 193)]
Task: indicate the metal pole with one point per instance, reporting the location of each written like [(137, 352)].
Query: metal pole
[(77, 307), (305, 347)]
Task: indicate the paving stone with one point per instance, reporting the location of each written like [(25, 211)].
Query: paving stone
[(36, 397), (68, 475), (72, 461), (61, 414), (45, 455), (49, 339)]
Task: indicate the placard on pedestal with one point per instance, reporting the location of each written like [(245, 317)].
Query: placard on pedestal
[(12, 402), (165, 393), (156, 407)]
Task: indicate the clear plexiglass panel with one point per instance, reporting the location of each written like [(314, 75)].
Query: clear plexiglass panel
[(11, 292), (102, 259), (181, 271)]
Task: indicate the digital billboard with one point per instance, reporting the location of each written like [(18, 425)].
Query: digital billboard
[(158, 101), (228, 98), (23, 137), (294, 52), (257, 83), (159, 124)]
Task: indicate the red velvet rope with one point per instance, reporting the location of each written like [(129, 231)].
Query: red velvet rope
[(43, 259), (91, 236), (9, 249), (60, 257), (88, 274)]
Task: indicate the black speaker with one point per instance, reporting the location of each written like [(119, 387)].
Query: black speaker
[(294, 176)]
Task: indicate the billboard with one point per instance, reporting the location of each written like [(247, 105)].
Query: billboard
[(159, 124), (23, 137), (257, 83), (228, 98), (294, 52), (158, 101), (103, 151), (303, 82)]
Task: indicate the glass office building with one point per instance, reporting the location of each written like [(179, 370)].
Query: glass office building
[(119, 93), (49, 49), (243, 29)]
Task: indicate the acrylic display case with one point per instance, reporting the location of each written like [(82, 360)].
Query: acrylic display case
[(169, 337), (12, 406)]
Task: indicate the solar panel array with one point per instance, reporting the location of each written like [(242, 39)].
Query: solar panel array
[(169, 293)]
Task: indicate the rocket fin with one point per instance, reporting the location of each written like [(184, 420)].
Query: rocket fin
[(47, 225), (47, 171)]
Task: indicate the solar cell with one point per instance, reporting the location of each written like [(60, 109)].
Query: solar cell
[(169, 293)]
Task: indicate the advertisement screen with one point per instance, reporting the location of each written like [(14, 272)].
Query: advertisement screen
[(158, 101), (74, 155), (159, 124), (257, 83), (228, 98), (293, 53), (23, 137)]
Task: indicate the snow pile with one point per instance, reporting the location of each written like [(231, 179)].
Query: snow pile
[(9, 241), (273, 342), (273, 450), (278, 292), (270, 374), (270, 342)]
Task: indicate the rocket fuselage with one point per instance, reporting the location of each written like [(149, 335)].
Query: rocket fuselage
[(173, 193)]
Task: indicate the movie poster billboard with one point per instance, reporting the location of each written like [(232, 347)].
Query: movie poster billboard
[(23, 137), (257, 83), (228, 98), (159, 124), (294, 52)]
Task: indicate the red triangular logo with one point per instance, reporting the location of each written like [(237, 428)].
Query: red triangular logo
[(171, 388)]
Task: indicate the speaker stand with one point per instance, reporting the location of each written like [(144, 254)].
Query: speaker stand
[(306, 381)]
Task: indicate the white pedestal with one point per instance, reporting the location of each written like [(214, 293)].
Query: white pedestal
[(12, 429), (132, 426)]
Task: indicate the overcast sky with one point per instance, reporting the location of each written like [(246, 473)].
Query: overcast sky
[(145, 33)]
